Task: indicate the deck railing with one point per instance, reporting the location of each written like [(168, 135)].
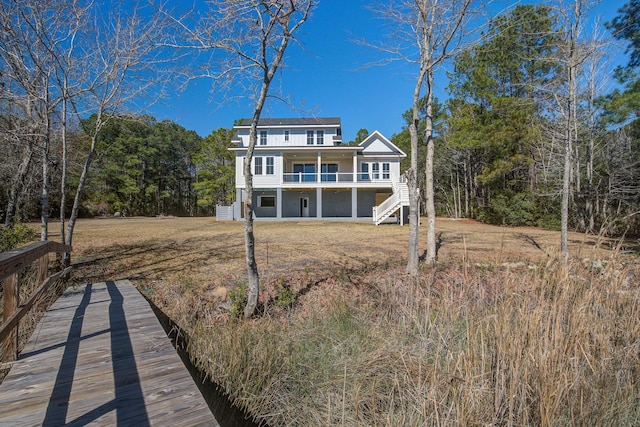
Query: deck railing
[(11, 264), (308, 177)]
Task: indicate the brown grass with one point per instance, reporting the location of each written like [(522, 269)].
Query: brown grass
[(498, 333), (152, 249)]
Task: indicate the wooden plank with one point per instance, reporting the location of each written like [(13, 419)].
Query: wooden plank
[(12, 322), (11, 299), (16, 260), (100, 357), (43, 268)]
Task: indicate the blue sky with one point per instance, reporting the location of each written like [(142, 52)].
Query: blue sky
[(326, 77)]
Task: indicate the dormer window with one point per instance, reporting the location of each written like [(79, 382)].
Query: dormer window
[(263, 137), (286, 135), (320, 137), (309, 137)]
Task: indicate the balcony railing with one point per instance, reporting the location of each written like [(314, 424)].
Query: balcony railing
[(302, 177), (299, 177), (373, 177)]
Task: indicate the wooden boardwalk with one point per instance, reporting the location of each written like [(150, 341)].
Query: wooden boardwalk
[(100, 357)]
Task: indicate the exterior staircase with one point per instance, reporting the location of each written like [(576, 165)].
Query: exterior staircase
[(399, 198)]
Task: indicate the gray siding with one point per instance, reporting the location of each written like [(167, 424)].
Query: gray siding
[(224, 213), (269, 212), (366, 202), (336, 203), (291, 203)]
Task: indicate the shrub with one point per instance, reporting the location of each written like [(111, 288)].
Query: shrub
[(286, 295), (518, 209), (11, 238), (238, 298)]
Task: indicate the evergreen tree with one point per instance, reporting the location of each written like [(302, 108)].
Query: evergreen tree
[(494, 113), (216, 170)]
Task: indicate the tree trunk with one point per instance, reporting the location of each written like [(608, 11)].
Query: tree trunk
[(73, 216), (571, 112), (467, 185), (253, 277), (429, 187), (17, 185), (63, 178), (44, 234), (412, 182), (414, 220)]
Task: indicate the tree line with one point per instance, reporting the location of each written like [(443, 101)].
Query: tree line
[(141, 167), (501, 134)]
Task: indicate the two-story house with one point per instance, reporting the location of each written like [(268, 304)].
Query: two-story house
[(301, 169)]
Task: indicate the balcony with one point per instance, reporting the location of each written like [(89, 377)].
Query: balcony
[(313, 177), (338, 177)]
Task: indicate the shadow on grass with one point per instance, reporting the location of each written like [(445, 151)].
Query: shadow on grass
[(152, 258), (528, 239), (439, 242)]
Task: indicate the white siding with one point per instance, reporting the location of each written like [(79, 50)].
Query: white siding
[(297, 136), (377, 146), (262, 180), (239, 171)]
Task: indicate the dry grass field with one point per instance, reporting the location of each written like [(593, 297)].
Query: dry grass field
[(499, 332), (147, 250)]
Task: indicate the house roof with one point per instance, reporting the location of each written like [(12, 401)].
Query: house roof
[(293, 122), (377, 144)]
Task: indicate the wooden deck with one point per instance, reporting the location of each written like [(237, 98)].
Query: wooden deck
[(100, 357)]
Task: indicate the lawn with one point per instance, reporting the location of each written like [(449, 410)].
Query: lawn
[(151, 249)]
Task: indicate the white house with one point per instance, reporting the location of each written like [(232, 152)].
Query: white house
[(301, 169)]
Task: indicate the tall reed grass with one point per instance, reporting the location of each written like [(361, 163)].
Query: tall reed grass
[(551, 344)]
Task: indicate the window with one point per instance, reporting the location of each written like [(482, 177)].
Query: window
[(269, 166), (263, 137), (257, 167), (309, 137), (305, 172), (375, 170), (266, 201), (320, 137), (385, 171), (365, 172), (330, 172), (286, 135)]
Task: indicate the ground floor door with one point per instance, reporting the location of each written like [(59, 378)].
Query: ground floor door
[(304, 207)]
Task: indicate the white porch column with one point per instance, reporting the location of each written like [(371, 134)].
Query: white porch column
[(238, 213), (354, 202), (319, 202), (319, 168), (279, 202), (355, 167)]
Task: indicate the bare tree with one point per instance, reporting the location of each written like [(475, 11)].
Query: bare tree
[(31, 31), (248, 39), (425, 33), (573, 54), (64, 60), (67, 69), (595, 83), (119, 52)]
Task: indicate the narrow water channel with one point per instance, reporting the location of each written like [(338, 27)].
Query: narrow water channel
[(222, 409)]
